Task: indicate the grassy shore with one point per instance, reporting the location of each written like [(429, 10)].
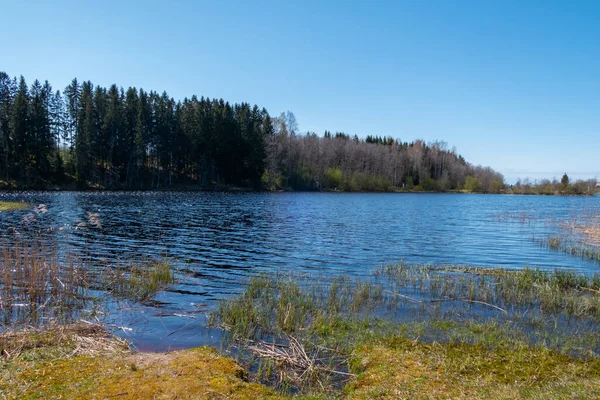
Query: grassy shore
[(417, 332), (83, 362), (13, 205)]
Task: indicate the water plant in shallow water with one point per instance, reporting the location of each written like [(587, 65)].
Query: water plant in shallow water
[(139, 281), (582, 250), (39, 285)]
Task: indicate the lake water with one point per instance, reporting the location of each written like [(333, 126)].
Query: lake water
[(217, 240)]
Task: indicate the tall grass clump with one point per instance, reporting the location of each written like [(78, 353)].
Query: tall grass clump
[(137, 281), (38, 283), (298, 327), (41, 284)]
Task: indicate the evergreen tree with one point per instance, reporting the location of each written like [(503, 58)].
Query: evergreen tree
[(7, 91), (73, 96), (19, 126), (84, 163)]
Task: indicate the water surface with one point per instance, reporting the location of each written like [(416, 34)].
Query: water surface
[(217, 240)]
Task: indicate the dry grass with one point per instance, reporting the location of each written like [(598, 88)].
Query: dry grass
[(588, 229), (39, 285), (74, 340)]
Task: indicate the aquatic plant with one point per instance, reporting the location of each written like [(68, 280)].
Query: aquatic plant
[(138, 281), (40, 285), (37, 284)]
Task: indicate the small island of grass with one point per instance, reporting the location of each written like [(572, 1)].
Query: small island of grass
[(13, 205)]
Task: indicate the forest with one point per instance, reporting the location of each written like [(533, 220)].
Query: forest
[(92, 137)]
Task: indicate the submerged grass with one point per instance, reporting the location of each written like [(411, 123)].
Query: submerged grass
[(581, 250), (578, 236)]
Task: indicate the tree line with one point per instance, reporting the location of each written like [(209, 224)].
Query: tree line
[(114, 138), (344, 162), (555, 187), (89, 136)]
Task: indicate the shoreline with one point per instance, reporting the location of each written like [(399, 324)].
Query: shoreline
[(225, 189)]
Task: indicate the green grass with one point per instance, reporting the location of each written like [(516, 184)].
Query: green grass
[(407, 332), (139, 281)]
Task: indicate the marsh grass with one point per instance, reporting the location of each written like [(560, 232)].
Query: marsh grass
[(138, 281), (576, 249), (497, 309), (40, 285), (578, 236)]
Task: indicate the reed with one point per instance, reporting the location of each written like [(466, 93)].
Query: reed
[(41, 285), (38, 284)]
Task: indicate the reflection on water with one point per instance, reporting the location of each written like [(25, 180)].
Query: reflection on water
[(216, 241)]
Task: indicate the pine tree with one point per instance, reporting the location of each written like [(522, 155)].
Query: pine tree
[(19, 125), (41, 143), (7, 92), (73, 96), (84, 136), (142, 133)]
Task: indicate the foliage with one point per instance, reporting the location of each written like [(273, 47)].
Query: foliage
[(471, 184), (554, 187)]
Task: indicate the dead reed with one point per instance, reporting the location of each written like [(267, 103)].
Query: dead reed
[(38, 283), (41, 285), (81, 338)]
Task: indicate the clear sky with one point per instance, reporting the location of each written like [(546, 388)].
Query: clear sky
[(513, 85)]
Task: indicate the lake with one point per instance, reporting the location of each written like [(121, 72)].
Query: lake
[(217, 240)]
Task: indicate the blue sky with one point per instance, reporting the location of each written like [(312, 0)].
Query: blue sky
[(513, 85)]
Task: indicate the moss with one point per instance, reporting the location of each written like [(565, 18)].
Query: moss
[(13, 205), (389, 368), (196, 373), (401, 368)]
